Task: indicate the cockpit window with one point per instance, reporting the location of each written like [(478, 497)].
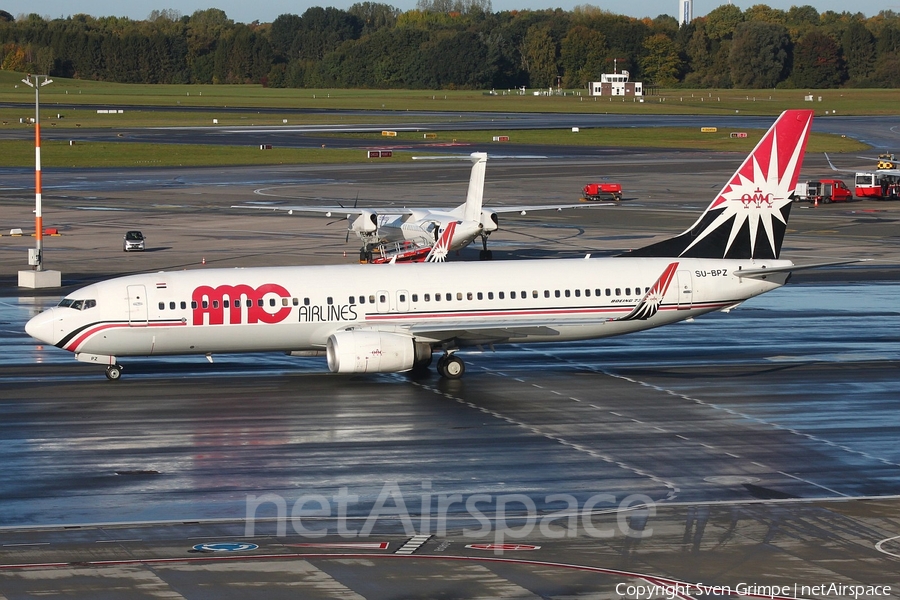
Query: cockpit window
[(77, 304)]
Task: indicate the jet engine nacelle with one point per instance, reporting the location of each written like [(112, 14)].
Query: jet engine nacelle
[(489, 220), (367, 222), (374, 352)]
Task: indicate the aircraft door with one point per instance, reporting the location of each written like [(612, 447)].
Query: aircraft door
[(137, 306), (685, 289), (403, 301), (382, 301)]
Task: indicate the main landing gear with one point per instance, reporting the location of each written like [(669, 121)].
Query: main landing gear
[(451, 366), (485, 254), (114, 372)]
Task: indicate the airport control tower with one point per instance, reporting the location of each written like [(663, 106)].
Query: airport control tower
[(685, 12)]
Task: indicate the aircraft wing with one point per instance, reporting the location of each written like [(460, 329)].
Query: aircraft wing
[(495, 330), (536, 207), (328, 211), (894, 172)]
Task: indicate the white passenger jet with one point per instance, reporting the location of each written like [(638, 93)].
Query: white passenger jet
[(425, 225), (392, 319)]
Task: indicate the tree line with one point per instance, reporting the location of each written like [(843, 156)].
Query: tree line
[(463, 44)]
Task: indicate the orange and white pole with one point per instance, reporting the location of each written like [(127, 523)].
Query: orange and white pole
[(38, 215)]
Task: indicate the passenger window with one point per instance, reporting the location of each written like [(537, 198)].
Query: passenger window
[(402, 297), (598, 292), (371, 298), (459, 295), (329, 300), (469, 296), (512, 295), (556, 293), (449, 297), (206, 303), (352, 299), (381, 298), (587, 292), (225, 303), (627, 291), (568, 293), (618, 291), (546, 293), (183, 305), (437, 297), (490, 295), (362, 299), (415, 297), (284, 302), (162, 306), (215, 304), (427, 297), (271, 301), (295, 301), (480, 296), (608, 292), (534, 294), (249, 303), (578, 293), (193, 304), (500, 295), (260, 302)]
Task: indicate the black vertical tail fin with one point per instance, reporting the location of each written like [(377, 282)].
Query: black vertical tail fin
[(749, 216)]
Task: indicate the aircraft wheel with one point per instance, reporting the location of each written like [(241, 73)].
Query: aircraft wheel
[(114, 372), (451, 367), (486, 255)]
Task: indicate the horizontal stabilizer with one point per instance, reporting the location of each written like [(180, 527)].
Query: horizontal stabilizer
[(760, 273)]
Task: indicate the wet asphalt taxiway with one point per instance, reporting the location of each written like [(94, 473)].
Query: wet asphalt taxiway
[(754, 448)]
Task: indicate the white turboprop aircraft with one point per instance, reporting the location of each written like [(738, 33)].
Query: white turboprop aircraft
[(424, 226), (394, 318)]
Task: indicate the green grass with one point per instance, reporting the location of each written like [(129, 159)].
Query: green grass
[(200, 102), (102, 154), (20, 153), (634, 137), (669, 101)]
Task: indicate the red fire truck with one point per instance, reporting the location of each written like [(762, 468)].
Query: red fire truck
[(823, 190), (880, 185)]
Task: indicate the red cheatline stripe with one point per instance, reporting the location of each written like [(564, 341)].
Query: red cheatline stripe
[(73, 345), (538, 312)]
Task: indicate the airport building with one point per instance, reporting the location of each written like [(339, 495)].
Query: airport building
[(616, 84)]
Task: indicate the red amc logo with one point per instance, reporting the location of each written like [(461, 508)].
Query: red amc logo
[(758, 198), (238, 300)]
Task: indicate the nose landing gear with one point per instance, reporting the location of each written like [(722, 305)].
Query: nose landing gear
[(114, 372)]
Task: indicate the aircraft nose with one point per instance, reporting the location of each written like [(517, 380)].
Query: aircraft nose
[(41, 327)]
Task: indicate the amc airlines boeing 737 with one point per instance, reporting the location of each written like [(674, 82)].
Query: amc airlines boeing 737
[(394, 318)]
